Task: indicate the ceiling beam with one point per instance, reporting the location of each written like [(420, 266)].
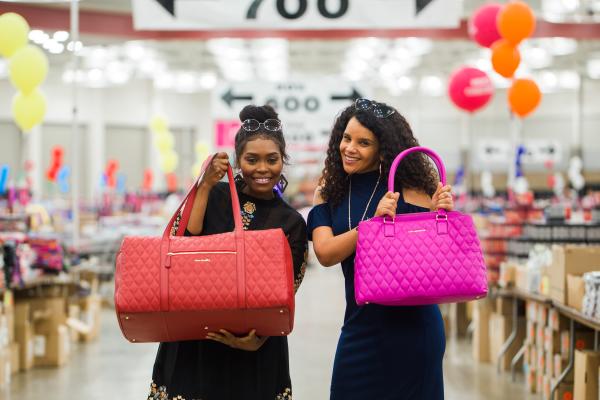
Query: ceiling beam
[(120, 25)]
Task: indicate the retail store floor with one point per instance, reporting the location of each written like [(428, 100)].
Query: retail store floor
[(113, 368)]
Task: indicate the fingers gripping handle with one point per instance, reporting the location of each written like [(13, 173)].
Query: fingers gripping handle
[(432, 154), (188, 203)]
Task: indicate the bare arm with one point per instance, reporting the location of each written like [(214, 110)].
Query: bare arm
[(214, 172), (332, 249)]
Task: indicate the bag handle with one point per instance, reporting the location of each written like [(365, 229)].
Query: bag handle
[(185, 208), (432, 154)]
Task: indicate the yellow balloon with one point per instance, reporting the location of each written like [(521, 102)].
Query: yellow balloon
[(169, 161), (28, 68), (164, 142), (159, 124), (196, 168), (29, 109), (14, 31), (202, 149)]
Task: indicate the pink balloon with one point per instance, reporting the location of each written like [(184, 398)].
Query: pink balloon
[(470, 88), (482, 25)]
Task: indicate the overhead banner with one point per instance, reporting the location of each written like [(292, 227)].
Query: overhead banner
[(295, 14)]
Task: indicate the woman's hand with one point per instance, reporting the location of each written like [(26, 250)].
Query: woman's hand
[(248, 343), (216, 170), (387, 205), (442, 198)]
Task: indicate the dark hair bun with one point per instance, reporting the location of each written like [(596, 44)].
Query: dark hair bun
[(261, 114)]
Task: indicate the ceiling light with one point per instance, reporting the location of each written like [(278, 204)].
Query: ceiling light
[(57, 48), (419, 46), (569, 80), (38, 36), (60, 36), (536, 57), (77, 46), (164, 81), (593, 68), (405, 83), (207, 80), (432, 85), (560, 46), (548, 81)]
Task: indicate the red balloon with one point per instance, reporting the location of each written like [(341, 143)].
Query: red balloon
[(57, 153), (171, 182), (551, 181), (148, 179), (470, 88), (112, 166), (482, 25)]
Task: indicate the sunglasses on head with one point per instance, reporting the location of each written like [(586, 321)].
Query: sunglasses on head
[(252, 125), (379, 110)]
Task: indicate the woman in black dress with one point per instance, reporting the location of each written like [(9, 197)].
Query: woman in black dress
[(227, 367), (384, 353)]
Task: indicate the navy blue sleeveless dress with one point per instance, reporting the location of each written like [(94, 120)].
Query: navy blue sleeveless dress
[(384, 353)]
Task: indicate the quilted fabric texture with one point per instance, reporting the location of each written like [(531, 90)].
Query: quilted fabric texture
[(203, 273), (137, 278), (419, 263)]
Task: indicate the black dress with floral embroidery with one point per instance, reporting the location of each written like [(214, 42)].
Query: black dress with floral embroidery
[(207, 370)]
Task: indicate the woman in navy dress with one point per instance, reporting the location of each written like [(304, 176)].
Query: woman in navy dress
[(384, 352)]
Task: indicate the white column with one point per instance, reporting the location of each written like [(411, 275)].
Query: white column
[(96, 151), (33, 153)]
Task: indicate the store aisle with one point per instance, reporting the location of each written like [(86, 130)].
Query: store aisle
[(114, 368)]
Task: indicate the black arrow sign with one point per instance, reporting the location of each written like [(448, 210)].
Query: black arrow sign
[(352, 96), (229, 97), (421, 4), (168, 5)]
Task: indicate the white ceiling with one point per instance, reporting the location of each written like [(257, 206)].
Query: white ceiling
[(397, 64)]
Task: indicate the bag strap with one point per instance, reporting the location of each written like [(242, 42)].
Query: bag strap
[(432, 154), (186, 205)]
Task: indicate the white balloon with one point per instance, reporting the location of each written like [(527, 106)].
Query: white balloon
[(487, 185), (521, 185), (559, 184)]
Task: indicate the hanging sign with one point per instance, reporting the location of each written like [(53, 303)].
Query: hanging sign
[(294, 14)]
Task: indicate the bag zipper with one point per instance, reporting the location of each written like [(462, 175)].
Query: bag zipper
[(180, 253)]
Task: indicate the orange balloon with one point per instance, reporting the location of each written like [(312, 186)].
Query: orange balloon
[(516, 22), (524, 96), (505, 58)]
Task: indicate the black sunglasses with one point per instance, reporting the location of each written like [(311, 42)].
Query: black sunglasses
[(252, 125), (379, 110)]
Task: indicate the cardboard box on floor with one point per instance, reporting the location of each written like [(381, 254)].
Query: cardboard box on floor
[(24, 338), (500, 328), (564, 391), (584, 339), (5, 367), (481, 332), (48, 314), (14, 358), (52, 350), (8, 307), (585, 386), (575, 291), (570, 259), (91, 309)]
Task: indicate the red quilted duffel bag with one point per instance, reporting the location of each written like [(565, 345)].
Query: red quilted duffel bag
[(173, 288)]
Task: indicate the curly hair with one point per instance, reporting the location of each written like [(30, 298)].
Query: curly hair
[(261, 114), (394, 136)]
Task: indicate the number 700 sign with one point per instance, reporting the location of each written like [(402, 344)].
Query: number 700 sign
[(295, 14)]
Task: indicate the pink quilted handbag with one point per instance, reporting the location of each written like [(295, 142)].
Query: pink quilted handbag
[(419, 258), (173, 288)]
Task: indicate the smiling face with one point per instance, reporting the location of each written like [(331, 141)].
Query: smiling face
[(261, 164), (359, 148)]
